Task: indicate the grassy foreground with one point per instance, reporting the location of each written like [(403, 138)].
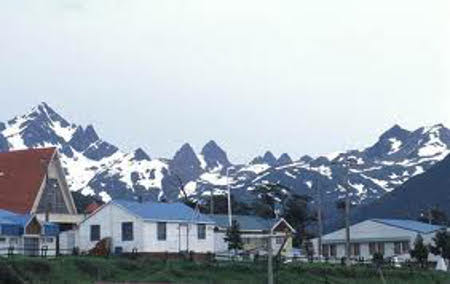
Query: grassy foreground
[(114, 269)]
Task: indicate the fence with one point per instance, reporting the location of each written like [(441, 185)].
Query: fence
[(44, 251)]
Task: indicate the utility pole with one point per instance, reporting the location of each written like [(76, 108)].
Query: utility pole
[(211, 205), (230, 219), (269, 259), (347, 228), (319, 218), (348, 163)]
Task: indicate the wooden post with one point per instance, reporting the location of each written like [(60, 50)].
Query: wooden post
[(269, 259)]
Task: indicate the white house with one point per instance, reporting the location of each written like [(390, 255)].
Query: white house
[(254, 231), (149, 227), (391, 237), (25, 234)]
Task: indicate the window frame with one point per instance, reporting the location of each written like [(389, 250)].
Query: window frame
[(161, 231), (397, 247), (333, 250), (127, 233), (92, 236), (356, 249), (372, 248), (201, 233)]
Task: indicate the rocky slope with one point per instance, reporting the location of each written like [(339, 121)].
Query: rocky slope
[(96, 167)]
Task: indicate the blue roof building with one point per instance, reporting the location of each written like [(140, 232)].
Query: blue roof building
[(149, 227), (390, 237)]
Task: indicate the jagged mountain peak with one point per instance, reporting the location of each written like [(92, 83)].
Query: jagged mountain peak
[(395, 132), (140, 155), (284, 159), (269, 158), (185, 163), (214, 156)]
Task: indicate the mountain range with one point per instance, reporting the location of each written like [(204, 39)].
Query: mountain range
[(98, 168)]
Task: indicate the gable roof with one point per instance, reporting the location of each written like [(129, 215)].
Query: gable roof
[(246, 222), (21, 176), (410, 225), (163, 212)]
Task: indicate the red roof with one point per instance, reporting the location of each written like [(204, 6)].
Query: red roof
[(92, 207), (21, 175)]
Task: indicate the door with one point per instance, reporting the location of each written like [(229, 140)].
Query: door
[(183, 237), (31, 246)]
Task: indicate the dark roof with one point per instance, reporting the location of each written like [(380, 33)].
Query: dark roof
[(165, 212), (246, 222), (21, 175), (410, 225)]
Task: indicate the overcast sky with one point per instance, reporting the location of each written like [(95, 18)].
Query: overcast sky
[(303, 77)]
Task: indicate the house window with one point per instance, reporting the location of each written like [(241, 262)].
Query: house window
[(380, 248), (13, 241), (49, 240), (356, 249), (372, 248), (333, 250), (2, 240), (279, 240), (127, 231), (162, 231), (325, 250), (405, 247), (95, 233), (201, 231), (397, 248)]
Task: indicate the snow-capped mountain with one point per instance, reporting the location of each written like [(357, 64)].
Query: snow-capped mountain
[(96, 167), (93, 166)]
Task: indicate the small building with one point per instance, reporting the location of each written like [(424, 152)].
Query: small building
[(25, 234), (254, 232), (147, 227), (32, 181), (391, 237)]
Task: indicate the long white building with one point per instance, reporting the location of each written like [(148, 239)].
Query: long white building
[(391, 237), (149, 227)]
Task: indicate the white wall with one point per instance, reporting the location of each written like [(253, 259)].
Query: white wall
[(221, 246), (110, 219), (173, 243)]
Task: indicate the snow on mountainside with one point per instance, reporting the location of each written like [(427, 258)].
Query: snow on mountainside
[(84, 155), (96, 167)]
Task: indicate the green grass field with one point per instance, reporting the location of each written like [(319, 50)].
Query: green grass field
[(114, 269)]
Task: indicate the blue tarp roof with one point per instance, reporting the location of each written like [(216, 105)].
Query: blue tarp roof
[(246, 222), (410, 225), (14, 224), (164, 212), (10, 218)]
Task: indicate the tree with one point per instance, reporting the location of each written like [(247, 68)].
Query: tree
[(298, 214), (434, 216), (221, 205), (233, 237), (420, 251), (441, 244)]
